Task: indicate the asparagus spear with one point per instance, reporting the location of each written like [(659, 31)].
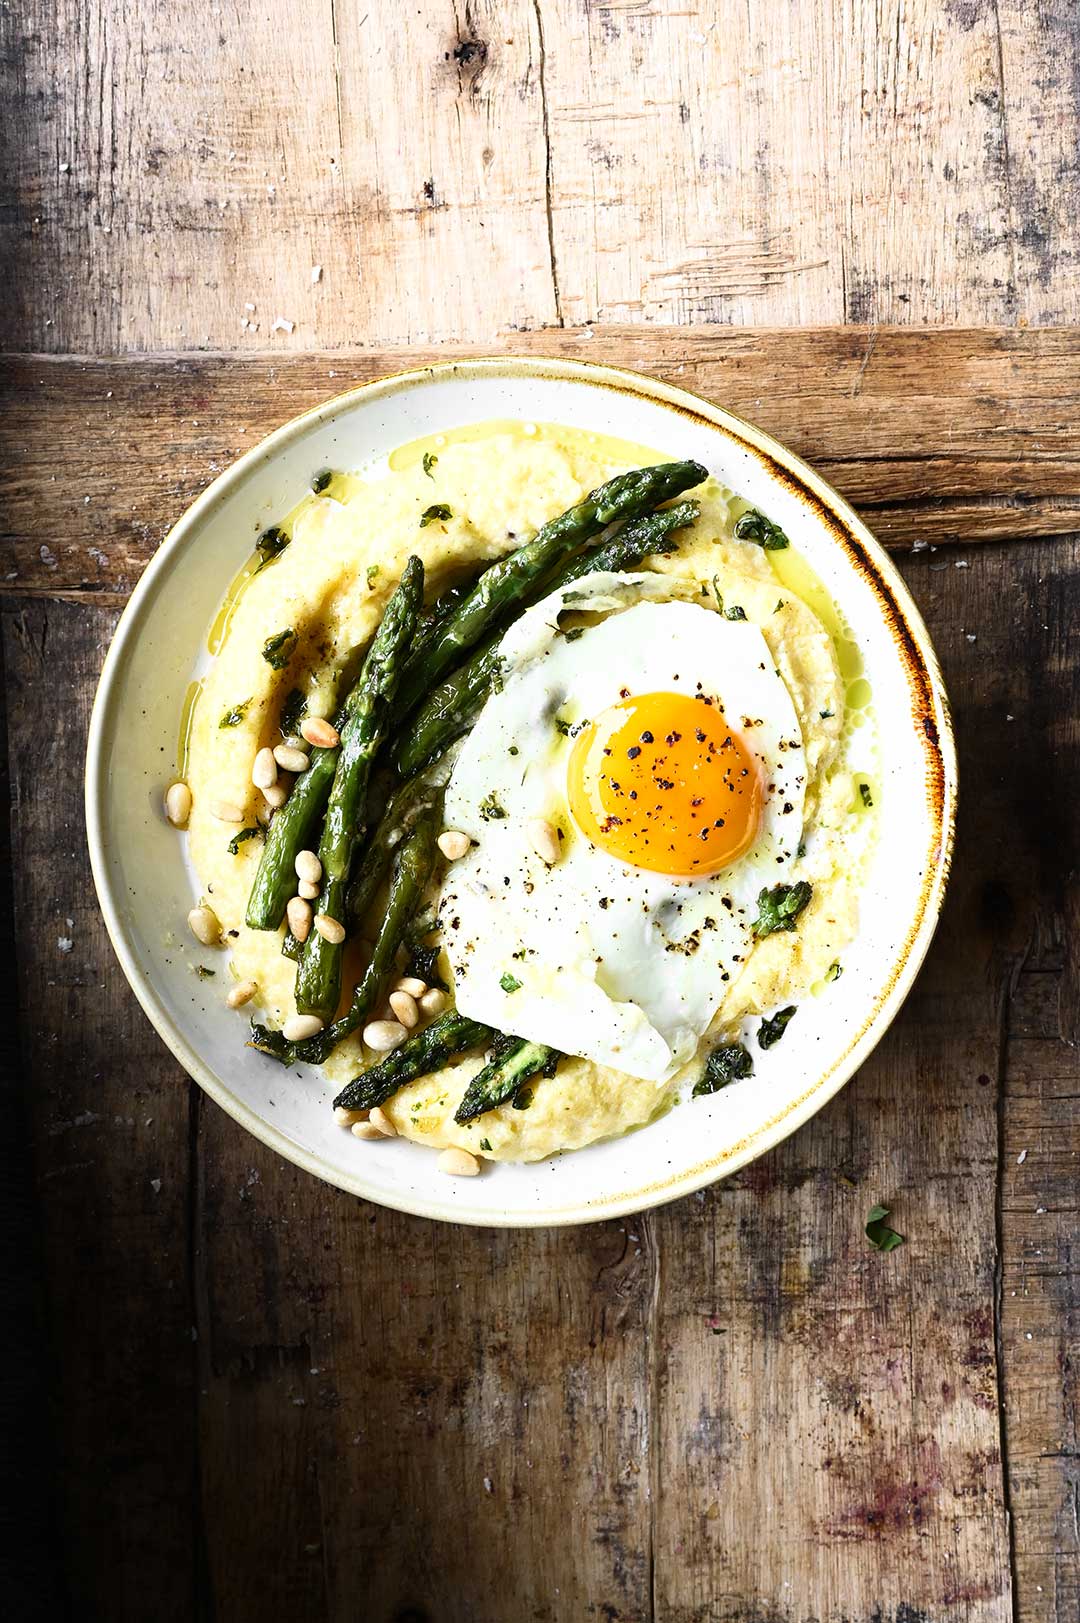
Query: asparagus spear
[(450, 709), (318, 980), (430, 1049), (502, 586), (408, 880), (501, 1079), (420, 797)]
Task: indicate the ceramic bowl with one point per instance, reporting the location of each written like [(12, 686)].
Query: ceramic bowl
[(145, 886)]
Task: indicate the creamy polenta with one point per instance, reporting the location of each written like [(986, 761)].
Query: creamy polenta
[(483, 492)]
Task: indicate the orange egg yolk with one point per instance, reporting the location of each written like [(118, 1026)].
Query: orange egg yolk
[(660, 781)]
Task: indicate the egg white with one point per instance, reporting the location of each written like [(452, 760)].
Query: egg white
[(617, 964)]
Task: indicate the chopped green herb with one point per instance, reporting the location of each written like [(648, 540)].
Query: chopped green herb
[(233, 717), (522, 1099), (512, 749), (562, 726), (754, 526), (485, 1144), (865, 795), (437, 510), (824, 714), (719, 596), (497, 676), (509, 983), (780, 907), (279, 649), (372, 574), (735, 613), (203, 973), (240, 836), (490, 809), (430, 461), (322, 480), (270, 545), (574, 633), (293, 712), (729, 1063), (779, 605), (801, 851), (878, 1232), (771, 1031), (834, 972)]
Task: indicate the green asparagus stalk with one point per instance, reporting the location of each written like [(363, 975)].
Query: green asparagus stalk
[(451, 708), (506, 1073), (420, 797), (409, 878), (428, 1051), (502, 587), (318, 980)]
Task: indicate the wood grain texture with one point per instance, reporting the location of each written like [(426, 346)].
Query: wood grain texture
[(936, 437), (727, 1411), (532, 162)]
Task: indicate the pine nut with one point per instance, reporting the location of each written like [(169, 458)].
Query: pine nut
[(411, 984), (293, 741), (459, 1163), (242, 993), (544, 839), (381, 1121), (276, 795), (264, 771), (318, 732), (348, 1117), (433, 1002), (383, 1035), (453, 843), (205, 925), (404, 1006), (308, 892), (178, 804), (330, 929), (364, 1129), (299, 1026), (298, 913), (308, 867), (226, 812), (291, 759), (263, 812)]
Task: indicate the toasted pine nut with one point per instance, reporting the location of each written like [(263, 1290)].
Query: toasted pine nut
[(320, 733), (205, 925), (459, 1163), (292, 760), (330, 929), (348, 1117), (453, 843), (411, 984), (433, 1002), (226, 812), (308, 867), (298, 913), (242, 993), (544, 839), (364, 1129), (276, 795), (404, 1006), (308, 892), (178, 804), (299, 1026), (381, 1121), (383, 1035), (264, 769)]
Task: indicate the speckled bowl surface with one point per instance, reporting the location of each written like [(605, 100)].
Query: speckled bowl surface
[(146, 888)]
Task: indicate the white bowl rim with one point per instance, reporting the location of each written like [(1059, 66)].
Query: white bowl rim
[(831, 507)]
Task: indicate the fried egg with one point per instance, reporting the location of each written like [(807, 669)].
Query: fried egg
[(658, 740)]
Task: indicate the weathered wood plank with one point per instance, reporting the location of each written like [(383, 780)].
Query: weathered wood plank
[(525, 162), (108, 1111), (936, 436)]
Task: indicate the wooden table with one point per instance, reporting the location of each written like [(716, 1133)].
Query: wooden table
[(235, 1394)]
